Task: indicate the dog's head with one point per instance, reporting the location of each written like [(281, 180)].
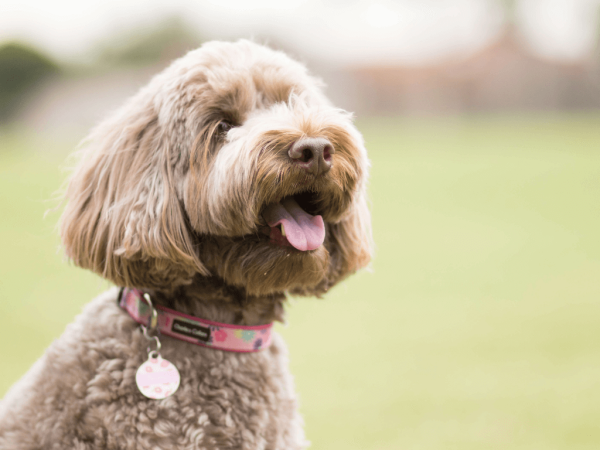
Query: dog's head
[(230, 163)]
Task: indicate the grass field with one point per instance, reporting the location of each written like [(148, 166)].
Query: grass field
[(479, 326)]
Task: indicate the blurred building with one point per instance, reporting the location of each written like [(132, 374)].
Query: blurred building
[(75, 103), (121, 65), (504, 76)]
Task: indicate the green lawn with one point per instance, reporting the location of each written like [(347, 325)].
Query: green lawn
[(479, 326)]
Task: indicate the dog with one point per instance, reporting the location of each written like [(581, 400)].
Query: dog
[(224, 185)]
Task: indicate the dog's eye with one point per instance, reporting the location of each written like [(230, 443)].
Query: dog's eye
[(225, 126)]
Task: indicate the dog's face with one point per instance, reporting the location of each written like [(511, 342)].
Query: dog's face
[(231, 163)]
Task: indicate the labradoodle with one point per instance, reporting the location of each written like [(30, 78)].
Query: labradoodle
[(224, 185)]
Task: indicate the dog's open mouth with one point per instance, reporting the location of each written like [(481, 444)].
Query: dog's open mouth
[(292, 225)]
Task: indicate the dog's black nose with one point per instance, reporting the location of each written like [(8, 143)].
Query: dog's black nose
[(313, 154)]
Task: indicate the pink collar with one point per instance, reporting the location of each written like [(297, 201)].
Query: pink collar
[(221, 336)]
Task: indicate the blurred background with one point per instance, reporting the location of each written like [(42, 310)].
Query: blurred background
[(479, 324)]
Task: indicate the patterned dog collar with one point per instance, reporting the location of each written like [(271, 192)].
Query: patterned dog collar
[(220, 336)]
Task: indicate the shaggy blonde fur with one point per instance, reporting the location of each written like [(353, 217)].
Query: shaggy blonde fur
[(168, 197)]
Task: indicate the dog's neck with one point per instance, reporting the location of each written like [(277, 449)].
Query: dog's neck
[(212, 299)]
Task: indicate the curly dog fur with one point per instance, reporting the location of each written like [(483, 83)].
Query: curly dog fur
[(168, 197)]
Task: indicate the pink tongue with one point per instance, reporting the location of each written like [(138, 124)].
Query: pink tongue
[(303, 231)]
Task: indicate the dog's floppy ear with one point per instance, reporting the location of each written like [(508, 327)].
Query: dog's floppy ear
[(123, 218)]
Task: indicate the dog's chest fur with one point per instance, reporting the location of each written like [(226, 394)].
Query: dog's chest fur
[(82, 394)]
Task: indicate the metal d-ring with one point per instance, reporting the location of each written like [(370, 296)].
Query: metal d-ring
[(152, 325), (153, 319), (151, 338)]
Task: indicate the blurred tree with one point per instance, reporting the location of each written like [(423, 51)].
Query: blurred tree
[(21, 69), (510, 11), (510, 19), (162, 42)]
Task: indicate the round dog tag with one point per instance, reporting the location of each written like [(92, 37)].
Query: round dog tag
[(157, 378)]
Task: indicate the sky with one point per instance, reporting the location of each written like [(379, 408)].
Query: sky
[(347, 32)]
